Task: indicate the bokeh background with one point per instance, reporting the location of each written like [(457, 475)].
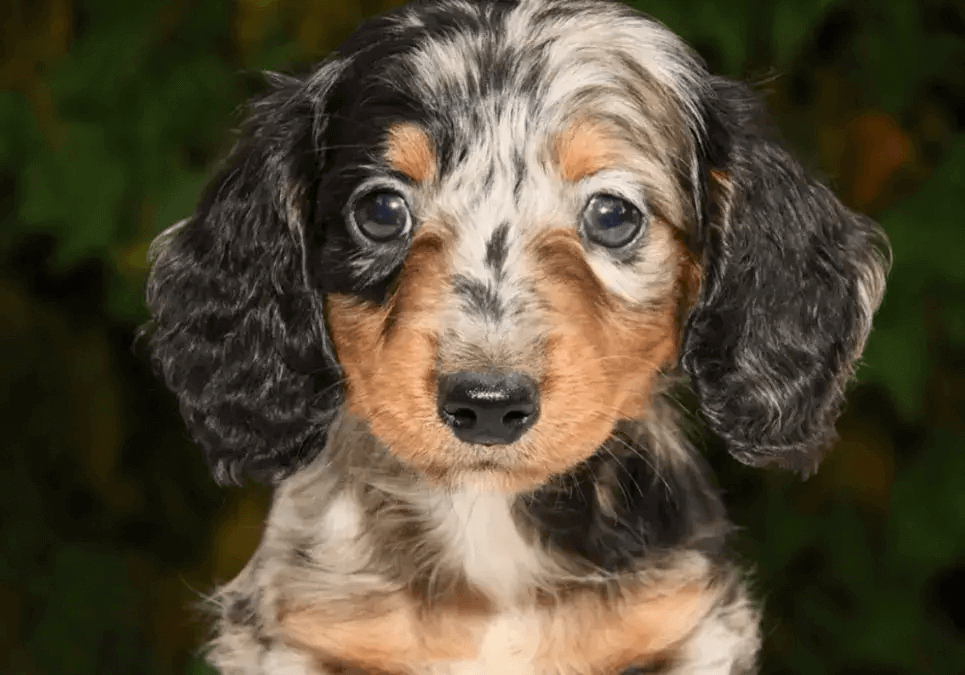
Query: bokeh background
[(114, 112)]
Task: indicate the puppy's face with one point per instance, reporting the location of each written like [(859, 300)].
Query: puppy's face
[(523, 237), (483, 228)]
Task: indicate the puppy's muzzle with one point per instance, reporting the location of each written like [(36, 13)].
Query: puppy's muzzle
[(488, 408)]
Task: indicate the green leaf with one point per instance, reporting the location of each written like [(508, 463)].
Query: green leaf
[(928, 275), (791, 23), (89, 591), (197, 666), (76, 192), (927, 524)]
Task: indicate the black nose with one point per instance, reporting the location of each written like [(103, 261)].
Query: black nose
[(488, 408)]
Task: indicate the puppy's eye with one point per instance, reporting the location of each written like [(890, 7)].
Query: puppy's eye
[(382, 215), (611, 221)]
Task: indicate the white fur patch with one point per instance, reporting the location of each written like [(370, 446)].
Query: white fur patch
[(342, 521), (485, 541), (508, 648), (285, 661), (723, 640)]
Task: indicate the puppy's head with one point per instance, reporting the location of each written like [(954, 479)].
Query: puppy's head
[(488, 230)]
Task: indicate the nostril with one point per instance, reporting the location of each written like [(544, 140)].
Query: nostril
[(488, 408), (461, 418), (516, 418)]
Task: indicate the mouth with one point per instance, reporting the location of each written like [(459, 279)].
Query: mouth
[(500, 468)]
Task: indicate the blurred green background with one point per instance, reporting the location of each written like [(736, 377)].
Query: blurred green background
[(114, 112)]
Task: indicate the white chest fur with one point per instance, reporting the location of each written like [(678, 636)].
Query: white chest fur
[(485, 542)]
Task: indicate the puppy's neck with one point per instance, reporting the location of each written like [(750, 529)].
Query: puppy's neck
[(373, 514), (481, 537), (642, 495)]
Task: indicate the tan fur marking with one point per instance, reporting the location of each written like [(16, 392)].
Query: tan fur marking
[(602, 356), (409, 151), (584, 148), (691, 279), (722, 193), (388, 354), (388, 634), (588, 632), (592, 635)]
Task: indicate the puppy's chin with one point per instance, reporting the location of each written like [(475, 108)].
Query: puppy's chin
[(497, 479), (522, 479), (486, 475)]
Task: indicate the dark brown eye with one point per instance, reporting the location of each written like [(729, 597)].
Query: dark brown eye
[(611, 221), (382, 215)]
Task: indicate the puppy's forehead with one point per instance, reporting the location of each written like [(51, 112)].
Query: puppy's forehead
[(546, 50), (568, 88)]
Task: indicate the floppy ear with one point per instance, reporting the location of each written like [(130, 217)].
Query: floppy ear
[(237, 333), (791, 280)]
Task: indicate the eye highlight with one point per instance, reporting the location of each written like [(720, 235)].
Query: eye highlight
[(611, 221), (382, 215)]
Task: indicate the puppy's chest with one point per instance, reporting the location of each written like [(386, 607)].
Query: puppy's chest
[(485, 627), (498, 627), (482, 542), (393, 635), (507, 643)]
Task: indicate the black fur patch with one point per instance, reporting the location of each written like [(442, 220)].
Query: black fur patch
[(235, 332), (664, 666), (653, 508), (479, 298), (496, 250)]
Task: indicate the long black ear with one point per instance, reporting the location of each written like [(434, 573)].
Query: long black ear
[(791, 280), (237, 333)]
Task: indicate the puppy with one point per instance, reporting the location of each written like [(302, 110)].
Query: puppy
[(440, 295)]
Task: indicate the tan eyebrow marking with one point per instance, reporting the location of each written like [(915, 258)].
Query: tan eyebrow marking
[(584, 148), (409, 151)]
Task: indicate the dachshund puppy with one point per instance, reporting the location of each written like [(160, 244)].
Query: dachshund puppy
[(440, 295)]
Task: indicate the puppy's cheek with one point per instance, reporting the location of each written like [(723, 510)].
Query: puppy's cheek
[(355, 327), (603, 356), (404, 416), (595, 379), (389, 376), (645, 345), (575, 401), (388, 353)]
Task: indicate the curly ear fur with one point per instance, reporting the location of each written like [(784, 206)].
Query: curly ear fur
[(237, 333), (791, 280)]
